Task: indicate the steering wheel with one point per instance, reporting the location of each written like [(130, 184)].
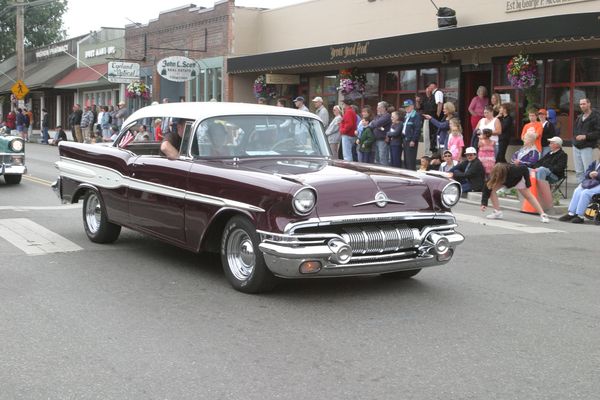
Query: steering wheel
[(284, 144)]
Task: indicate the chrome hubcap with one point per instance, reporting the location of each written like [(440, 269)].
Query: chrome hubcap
[(93, 213), (240, 254)]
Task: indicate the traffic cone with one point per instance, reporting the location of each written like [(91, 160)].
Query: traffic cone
[(527, 207)]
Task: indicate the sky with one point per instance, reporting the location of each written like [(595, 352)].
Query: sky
[(84, 16)]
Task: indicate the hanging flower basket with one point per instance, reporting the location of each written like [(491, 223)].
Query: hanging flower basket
[(353, 83), (138, 89), (522, 72), (262, 89)]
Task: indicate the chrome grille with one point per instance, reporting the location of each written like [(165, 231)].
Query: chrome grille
[(380, 239)]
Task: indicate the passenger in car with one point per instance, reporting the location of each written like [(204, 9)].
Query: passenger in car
[(172, 142)]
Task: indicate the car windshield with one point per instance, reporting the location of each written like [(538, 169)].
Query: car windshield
[(259, 136)]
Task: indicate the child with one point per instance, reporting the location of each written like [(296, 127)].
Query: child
[(455, 141), (486, 152), (425, 161), (364, 143)]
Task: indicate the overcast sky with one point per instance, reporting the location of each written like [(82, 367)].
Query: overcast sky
[(84, 16)]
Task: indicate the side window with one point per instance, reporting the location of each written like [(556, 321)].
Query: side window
[(138, 139), (187, 138), (215, 138)]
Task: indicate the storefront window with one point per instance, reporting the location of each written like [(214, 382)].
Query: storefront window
[(408, 80), (587, 69), (559, 71), (316, 86), (391, 81), (426, 76), (371, 95), (451, 76)]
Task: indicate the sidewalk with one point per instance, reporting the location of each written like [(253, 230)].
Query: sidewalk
[(514, 203)]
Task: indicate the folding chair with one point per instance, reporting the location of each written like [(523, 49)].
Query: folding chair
[(558, 186)]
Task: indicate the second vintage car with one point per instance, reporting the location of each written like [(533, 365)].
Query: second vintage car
[(258, 185), (12, 156)]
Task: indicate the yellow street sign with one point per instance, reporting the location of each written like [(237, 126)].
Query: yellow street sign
[(20, 90)]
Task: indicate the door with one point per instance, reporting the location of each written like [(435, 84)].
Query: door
[(471, 81)]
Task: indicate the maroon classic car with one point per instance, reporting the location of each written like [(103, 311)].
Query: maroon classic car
[(258, 185)]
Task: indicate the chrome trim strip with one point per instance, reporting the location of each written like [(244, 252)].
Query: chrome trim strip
[(108, 178), (378, 201)]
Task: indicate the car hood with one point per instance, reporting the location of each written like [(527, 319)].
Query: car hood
[(345, 188)]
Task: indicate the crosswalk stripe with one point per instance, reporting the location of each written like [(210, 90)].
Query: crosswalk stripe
[(505, 224), (34, 239)]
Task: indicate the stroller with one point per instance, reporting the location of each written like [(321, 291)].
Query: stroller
[(592, 212)]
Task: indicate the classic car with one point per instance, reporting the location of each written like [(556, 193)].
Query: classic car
[(12, 156), (258, 185)]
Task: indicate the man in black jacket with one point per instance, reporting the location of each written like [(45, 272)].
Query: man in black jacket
[(586, 133), (469, 173), (550, 169)]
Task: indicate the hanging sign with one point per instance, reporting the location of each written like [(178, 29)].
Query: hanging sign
[(178, 69), (123, 72)]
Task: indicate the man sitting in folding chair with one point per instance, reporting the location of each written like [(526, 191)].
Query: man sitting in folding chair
[(550, 169)]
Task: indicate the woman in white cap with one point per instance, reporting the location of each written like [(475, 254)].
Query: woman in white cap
[(508, 175)]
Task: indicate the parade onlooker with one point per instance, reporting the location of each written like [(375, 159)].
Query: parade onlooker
[(485, 151), (495, 102), (142, 135), (433, 103), (347, 130), (506, 126), (45, 126), (75, 122), (509, 176), (583, 194), (299, 103), (528, 154), (381, 126), (105, 124), (29, 122), (586, 133), (321, 111), (281, 102), (550, 168), (449, 162), (87, 122), (158, 136), (411, 131), (477, 106), (456, 143), (394, 138), (20, 121), (470, 173), (121, 114), (11, 120), (99, 123), (365, 141), (333, 131), (425, 163), (547, 130), (493, 124), (442, 126), (436, 161), (59, 135), (536, 125)]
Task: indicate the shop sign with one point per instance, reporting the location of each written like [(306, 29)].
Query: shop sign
[(178, 69), (52, 51), (522, 5), (123, 72), (102, 51), (349, 50), (282, 79)]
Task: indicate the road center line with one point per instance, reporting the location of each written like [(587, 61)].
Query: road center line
[(34, 239), (505, 224)]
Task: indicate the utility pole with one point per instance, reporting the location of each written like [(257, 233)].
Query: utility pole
[(20, 45)]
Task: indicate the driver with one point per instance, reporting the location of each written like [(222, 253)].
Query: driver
[(172, 142)]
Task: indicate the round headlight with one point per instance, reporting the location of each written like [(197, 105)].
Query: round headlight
[(16, 145), (451, 194), (304, 201)]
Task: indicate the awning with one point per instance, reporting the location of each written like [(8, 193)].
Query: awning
[(553, 29), (84, 77), (40, 75)]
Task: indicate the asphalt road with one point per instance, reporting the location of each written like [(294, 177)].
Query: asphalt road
[(515, 315)]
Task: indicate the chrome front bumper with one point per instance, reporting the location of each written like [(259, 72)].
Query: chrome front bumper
[(8, 169), (287, 255)]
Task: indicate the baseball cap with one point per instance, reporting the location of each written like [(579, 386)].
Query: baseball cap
[(556, 140), (318, 98), (542, 111), (299, 98), (408, 102), (470, 150)]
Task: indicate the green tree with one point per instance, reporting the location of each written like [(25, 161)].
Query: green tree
[(43, 25)]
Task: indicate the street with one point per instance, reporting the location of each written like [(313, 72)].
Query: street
[(515, 315)]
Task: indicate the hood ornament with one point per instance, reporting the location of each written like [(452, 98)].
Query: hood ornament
[(381, 200)]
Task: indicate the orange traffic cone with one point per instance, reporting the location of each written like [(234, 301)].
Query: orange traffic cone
[(527, 207)]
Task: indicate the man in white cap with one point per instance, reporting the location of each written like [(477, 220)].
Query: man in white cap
[(321, 111), (469, 173), (550, 169)]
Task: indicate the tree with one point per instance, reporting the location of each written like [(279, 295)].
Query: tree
[(43, 25)]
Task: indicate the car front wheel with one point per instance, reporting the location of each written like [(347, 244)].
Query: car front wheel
[(95, 220), (243, 262), (12, 179)]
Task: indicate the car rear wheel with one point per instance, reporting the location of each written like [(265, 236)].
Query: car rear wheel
[(12, 179), (95, 220), (243, 262), (403, 274)]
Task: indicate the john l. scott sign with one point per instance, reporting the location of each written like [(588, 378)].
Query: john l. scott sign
[(123, 72), (177, 68)]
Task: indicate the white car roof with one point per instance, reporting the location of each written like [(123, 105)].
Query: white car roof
[(200, 111)]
